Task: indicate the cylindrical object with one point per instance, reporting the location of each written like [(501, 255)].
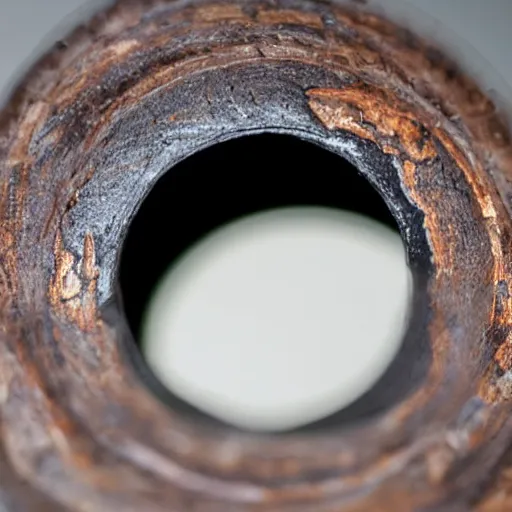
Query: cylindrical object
[(146, 84)]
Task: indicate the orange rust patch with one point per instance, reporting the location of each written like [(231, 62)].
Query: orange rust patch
[(63, 264), (373, 113), (6, 240), (218, 12), (89, 270), (123, 47), (72, 290), (503, 356), (285, 16), (71, 286), (7, 269)]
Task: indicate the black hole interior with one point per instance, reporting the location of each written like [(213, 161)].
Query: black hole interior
[(221, 184)]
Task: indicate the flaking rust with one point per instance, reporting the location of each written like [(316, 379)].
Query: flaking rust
[(72, 290), (374, 114), (112, 108)]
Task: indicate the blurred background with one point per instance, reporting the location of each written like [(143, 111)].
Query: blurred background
[(313, 363), (29, 26)]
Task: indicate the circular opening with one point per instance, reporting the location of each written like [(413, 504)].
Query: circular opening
[(265, 283)]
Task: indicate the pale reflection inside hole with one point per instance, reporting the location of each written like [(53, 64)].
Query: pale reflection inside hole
[(282, 318)]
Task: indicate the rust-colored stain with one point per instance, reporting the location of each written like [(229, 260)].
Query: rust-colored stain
[(217, 13), (151, 80), (373, 113), (72, 290), (288, 16)]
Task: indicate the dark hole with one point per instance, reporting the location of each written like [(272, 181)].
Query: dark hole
[(224, 183)]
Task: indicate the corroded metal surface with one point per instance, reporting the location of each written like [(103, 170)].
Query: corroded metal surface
[(123, 99)]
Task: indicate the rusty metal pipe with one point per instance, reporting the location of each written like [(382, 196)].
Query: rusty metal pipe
[(147, 83)]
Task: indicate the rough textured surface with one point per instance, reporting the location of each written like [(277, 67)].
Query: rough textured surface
[(139, 88)]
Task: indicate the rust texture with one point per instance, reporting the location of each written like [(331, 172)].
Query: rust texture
[(115, 105)]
